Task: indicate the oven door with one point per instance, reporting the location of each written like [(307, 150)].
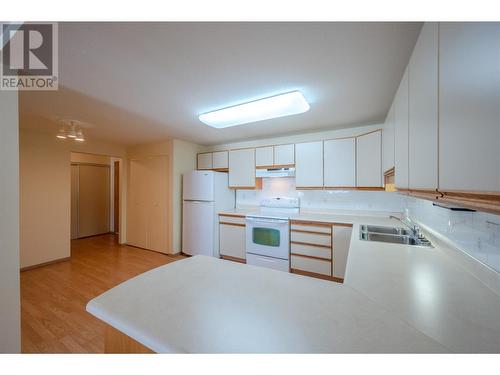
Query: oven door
[(266, 236)]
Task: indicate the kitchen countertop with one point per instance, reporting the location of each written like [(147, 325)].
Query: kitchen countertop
[(430, 290), (208, 305)]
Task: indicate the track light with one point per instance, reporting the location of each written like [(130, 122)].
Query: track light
[(62, 133), (79, 136), (72, 131), (75, 132)]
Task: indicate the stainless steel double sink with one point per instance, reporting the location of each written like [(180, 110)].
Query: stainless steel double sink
[(395, 235)]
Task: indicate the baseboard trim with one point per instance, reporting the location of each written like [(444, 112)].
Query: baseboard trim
[(45, 264)]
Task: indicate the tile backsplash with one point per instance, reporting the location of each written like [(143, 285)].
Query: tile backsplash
[(476, 233), (322, 199)]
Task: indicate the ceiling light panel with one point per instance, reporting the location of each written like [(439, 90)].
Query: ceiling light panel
[(287, 104)]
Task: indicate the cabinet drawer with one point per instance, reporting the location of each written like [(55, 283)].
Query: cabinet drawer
[(311, 238), (230, 219), (312, 227), (314, 251), (322, 267)]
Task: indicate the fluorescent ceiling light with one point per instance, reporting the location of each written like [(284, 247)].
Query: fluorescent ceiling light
[(291, 103)]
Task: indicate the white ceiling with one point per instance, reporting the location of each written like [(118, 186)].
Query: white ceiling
[(140, 82)]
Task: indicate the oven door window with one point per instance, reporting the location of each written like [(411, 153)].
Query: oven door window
[(266, 237)]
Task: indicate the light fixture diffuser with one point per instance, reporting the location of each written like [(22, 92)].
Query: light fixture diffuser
[(290, 103)]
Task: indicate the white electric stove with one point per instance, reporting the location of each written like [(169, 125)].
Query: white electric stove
[(267, 233)]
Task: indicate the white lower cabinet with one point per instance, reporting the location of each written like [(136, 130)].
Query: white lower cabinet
[(319, 249), (341, 242), (232, 237)]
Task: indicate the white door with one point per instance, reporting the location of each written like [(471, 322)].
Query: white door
[(309, 165), (369, 160), (198, 228), (469, 106), (401, 134), (340, 162), (242, 168), (423, 111), (388, 141), (198, 186), (341, 243), (232, 240), (284, 154), (220, 160), (205, 161), (264, 156)]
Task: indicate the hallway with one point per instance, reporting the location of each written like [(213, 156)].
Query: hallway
[(53, 297)]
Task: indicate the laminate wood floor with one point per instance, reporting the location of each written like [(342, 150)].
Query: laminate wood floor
[(53, 297)]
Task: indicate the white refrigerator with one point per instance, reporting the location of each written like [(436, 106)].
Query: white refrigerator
[(204, 194)]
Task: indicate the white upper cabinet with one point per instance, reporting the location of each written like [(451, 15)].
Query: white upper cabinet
[(242, 168), (369, 159), (264, 156), (469, 106), (284, 154), (401, 134), (220, 160), (205, 161), (423, 111), (388, 141), (340, 162), (309, 165)]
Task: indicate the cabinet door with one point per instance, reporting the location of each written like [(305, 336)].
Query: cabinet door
[(232, 240), (423, 110), (242, 168), (309, 165), (401, 134), (369, 160), (205, 160), (341, 243), (340, 162), (220, 160), (264, 156), (469, 106), (284, 154), (388, 141)]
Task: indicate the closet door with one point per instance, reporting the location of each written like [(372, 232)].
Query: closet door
[(157, 203), (93, 200), (74, 201), (137, 232)]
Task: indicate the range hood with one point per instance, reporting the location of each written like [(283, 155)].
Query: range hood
[(275, 172)]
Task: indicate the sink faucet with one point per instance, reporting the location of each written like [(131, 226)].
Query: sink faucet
[(415, 229)]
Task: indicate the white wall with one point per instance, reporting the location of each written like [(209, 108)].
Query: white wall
[(10, 327), (45, 193)]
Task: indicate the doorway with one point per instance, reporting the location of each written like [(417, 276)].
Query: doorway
[(95, 195)]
